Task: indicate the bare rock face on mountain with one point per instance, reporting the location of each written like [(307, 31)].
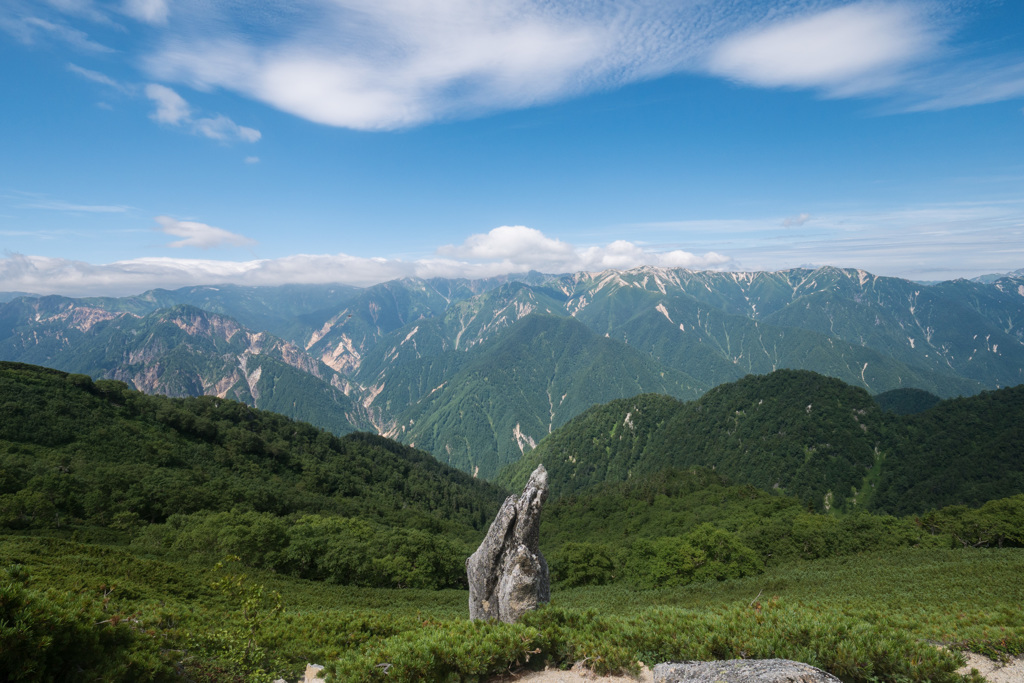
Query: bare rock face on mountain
[(741, 671), (507, 574)]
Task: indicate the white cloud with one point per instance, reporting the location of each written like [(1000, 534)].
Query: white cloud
[(252, 160), (519, 249), (796, 221), (846, 50), (222, 128), (59, 205), (385, 64), (502, 251), (928, 242), (97, 77), (29, 29), (171, 108), (199, 234), (149, 11), (44, 275), (514, 243)]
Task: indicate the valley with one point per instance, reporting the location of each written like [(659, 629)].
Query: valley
[(477, 372)]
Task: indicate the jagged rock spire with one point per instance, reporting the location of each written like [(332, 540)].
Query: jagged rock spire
[(507, 574)]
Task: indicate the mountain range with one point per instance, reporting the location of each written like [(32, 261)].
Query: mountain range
[(477, 372)]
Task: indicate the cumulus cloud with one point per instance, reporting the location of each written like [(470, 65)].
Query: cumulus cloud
[(172, 109), (513, 243), (519, 249), (199, 234)]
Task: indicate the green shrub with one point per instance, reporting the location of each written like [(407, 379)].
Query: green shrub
[(583, 564), (57, 636), (706, 553)]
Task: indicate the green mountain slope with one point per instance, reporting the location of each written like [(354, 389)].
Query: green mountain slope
[(906, 401), (961, 452), (702, 328), (96, 454), (810, 436), (182, 351), (535, 377), (380, 357)]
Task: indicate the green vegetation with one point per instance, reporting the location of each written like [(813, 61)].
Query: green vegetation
[(961, 452), (810, 436), (677, 527), (493, 403), (873, 616), (906, 401), (156, 539), (214, 477)]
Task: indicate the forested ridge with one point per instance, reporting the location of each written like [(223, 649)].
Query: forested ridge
[(822, 441), (207, 475)]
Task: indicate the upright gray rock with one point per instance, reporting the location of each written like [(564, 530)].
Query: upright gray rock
[(507, 574), (741, 671)]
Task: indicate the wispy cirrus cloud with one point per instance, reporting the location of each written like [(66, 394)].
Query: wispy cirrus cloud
[(391, 64), (30, 29), (796, 221), (200, 235), (173, 110), (148, 11), (387, 64), (60, 205), (929, 242), (101, 78)]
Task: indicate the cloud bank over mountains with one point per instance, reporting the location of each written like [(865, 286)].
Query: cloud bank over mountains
[(502, 251), (930, 242)]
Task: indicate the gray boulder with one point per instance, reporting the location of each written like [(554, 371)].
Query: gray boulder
[(507, 574), (741, 671)]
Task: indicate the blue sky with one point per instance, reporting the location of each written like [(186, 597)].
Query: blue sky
[(148, 143)]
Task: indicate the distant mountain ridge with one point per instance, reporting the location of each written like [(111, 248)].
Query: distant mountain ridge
[(409, 358), (183, 351)]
